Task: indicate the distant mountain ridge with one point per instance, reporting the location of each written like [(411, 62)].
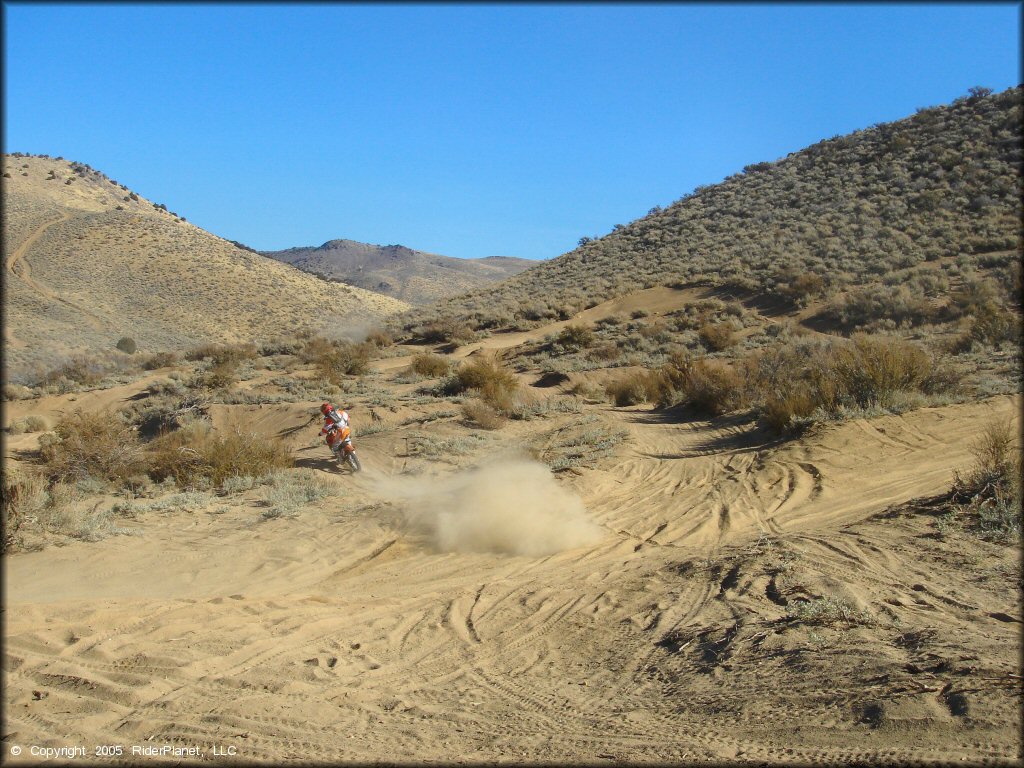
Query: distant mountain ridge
[(409, 275)]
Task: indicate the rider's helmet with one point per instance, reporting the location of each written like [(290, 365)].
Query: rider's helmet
[(325, 408)]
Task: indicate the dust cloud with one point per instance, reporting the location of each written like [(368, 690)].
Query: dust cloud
[(512, 507)]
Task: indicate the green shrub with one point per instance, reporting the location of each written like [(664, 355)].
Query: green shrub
[(126, 345)]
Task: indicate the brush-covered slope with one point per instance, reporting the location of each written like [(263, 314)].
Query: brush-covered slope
[(394, 270), (904, 208), (87, 261)]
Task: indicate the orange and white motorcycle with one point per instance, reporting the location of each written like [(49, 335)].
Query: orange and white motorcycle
[(339, 440)]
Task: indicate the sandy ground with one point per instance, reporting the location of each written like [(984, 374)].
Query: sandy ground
[(636, 612)]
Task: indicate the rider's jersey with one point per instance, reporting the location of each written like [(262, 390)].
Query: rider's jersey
[(334, 419)]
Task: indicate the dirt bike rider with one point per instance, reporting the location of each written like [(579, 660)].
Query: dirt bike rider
[(335, 424)]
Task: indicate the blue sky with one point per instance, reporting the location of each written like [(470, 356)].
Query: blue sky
[(467, 130)]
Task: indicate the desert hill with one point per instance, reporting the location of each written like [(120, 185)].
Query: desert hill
[(892, 216), (87, 262), (394, 270)]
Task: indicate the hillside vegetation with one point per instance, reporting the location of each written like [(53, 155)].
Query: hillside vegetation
[(394, 270), (88, 263), (885, 222)]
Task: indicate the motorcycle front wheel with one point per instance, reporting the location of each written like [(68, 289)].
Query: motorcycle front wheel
[(354, 462)]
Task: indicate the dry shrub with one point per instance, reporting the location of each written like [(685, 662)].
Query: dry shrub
[(794, 381), (24, 497), (380, 338), (716, 337), (990, 492), (781, 411), (495, 383), (587, 390), (220, 375), (992, 324), (635, 388), (80, 369), (16, 392), (196, 455), (430, 365), (91, 444), (575, 337), (605, 352), (343, 359), (446, 329), (222, 353), (714, 387), (28, 424), (871, 370), (159, 360), (483, 415), (799, 289)]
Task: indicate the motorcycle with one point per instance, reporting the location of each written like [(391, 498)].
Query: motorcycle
[(340, 442)]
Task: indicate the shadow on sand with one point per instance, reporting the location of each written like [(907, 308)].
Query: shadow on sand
[(732, 433)]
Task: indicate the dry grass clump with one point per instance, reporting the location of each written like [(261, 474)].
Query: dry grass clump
[(286, 492), (482, 415), (990, 492), (197, 456), (827, 610), (430, 365), (91, 444)]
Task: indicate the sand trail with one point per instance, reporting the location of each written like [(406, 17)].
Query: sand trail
[(345, 631)]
